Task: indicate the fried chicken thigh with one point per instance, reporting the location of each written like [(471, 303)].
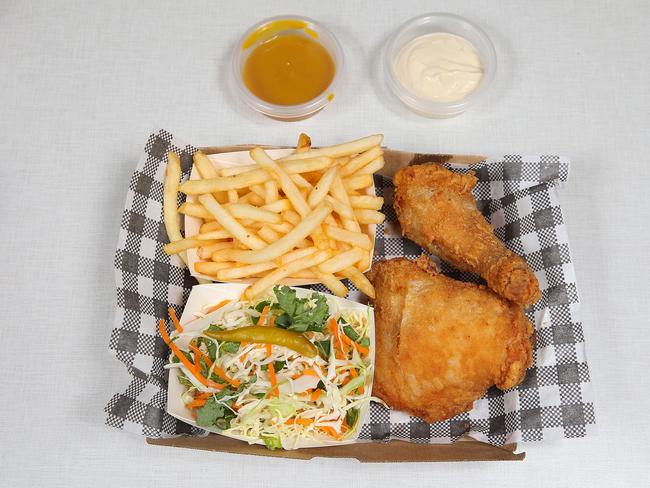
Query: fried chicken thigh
[(441, 343), (436, 209)]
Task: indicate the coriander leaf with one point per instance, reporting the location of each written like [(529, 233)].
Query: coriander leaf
[(214, 327), (210, 345), (189, 357), (231, 347), (182, 379), (272, 442), (352, 416), (351, 333), (259, 308), (208, 414), (323, 348), (283, 320), (278, 365), (286, 299)]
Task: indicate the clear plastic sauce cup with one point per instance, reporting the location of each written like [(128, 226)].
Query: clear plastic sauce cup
[(278, 26), (430, 24)]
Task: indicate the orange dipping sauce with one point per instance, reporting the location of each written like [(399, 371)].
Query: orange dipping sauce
[(288, 69)]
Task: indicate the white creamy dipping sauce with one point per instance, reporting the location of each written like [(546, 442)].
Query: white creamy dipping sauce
[(439, 67)]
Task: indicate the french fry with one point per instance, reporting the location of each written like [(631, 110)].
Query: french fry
[(277, 206), (304, 143), (361, 160), (170, 197), (322, 188), (319, 238), (364, 263), (210, 268), (366, 201), (290, 167), (259, 190), (230, 224), (268, 234), (195, 210), (211, 185), (205, 252), (303, 244), (287, 242), (213, 236), (290, 216), (301, 182), (256, 214), (233, 196), (339, 207), (339, 192), (372, 167), (283, 228), (286, 183), (359, 280), (331, 282), (358, 181), (170, 200), (185, 244), (246, 271), (356, 239), (270, 192), (296, 254), (305, 274), (222, 255), (345, 149), (210, 227), (365, 216), (341, 261), (261, 285)]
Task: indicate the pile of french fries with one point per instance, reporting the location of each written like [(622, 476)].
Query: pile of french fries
[(306, 215)]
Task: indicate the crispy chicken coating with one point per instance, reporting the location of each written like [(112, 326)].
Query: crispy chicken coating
[(436, 209), (441, 343)]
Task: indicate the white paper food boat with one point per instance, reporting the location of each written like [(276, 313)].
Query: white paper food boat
[(202, 296)]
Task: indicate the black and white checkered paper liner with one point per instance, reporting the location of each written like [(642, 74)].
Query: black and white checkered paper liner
[(516, 193)]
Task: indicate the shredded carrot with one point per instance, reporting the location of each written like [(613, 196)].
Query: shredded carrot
[(265, 312), (222, 374), (273, 379), (203, 395), (217, 306), (362, 349), (197, 356), (177, 324), (306, 372), (331, 432), (333, 327), (296, 421), (196, 403), (316, 395), (353, 372), (177, 352)]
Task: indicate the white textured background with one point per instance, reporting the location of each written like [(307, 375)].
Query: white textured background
[(82, 84)]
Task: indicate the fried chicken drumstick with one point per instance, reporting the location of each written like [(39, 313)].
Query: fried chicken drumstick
[(441, 343), (436, 209)]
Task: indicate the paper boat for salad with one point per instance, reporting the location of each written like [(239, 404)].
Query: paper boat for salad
[(314, 434), (243, 158)]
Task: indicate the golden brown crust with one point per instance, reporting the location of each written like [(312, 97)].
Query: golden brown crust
[(436, 209), (441, 343)]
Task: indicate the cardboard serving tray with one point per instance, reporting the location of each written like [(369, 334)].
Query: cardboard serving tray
[(465, 449)]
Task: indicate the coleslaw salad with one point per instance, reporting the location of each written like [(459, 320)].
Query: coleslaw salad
[(292, 369)]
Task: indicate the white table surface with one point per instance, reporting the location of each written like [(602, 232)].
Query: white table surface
[(83, 83)]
